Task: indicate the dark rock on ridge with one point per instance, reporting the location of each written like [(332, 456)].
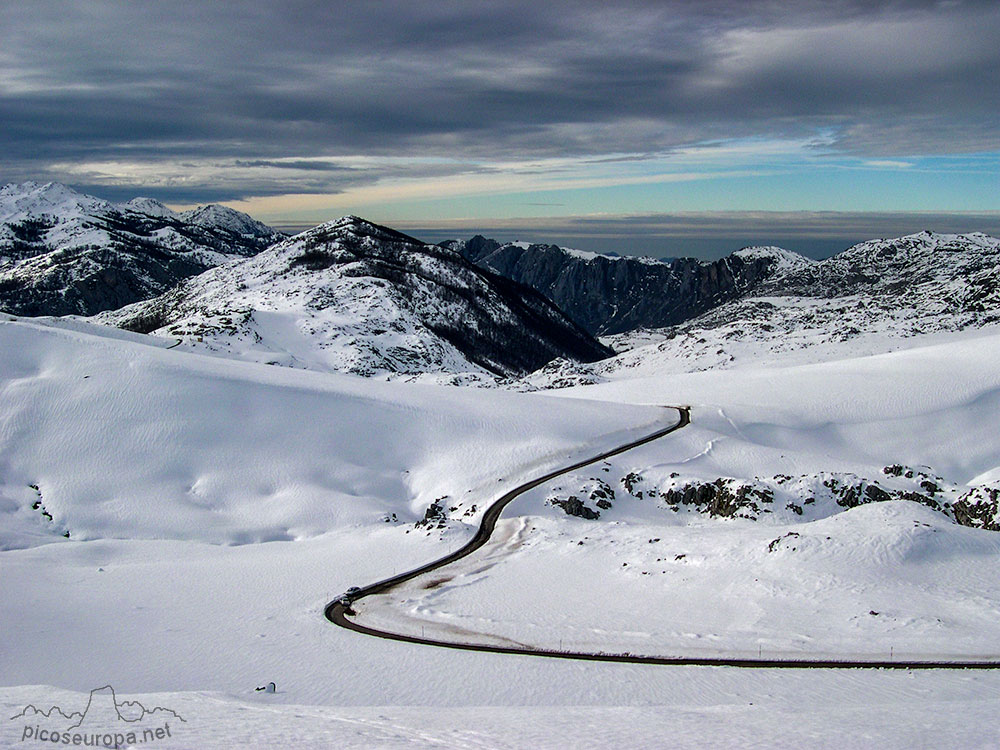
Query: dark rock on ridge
[(609, 294)]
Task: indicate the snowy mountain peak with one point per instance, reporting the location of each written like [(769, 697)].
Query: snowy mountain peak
[(359, 226), (63, 252), (889, 267), (354, 296), (215, 216), (33, 200), (351, 219), (148, 206), (784, 259), (350, 222), (921, 244)]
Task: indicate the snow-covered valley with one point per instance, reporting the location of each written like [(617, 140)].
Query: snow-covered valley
[(173, 521), (500, 375)]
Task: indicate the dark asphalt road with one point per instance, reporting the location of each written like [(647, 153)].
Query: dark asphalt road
[(340, 614)]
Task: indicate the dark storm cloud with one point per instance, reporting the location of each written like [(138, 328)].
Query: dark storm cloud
[(263, 81), (177, 194)]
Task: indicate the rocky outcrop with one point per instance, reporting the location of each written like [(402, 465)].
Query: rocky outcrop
[(979, 508), (597, 491), (574, 506), (785, 498), (610, 294), (723, 497)]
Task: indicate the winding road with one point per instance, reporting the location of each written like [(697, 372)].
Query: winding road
[(340, 611)]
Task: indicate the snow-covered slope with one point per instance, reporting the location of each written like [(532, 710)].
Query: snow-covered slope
[(351, 296), (106, 434), (806, 510), (62, 252), (137, 451)]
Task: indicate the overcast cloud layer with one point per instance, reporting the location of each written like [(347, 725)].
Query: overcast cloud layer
[(221, 101)]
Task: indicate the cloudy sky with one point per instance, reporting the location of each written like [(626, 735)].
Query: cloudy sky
[(661, 127)]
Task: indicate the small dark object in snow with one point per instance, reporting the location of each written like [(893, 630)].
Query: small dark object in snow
[(873, 613), (774, 544), (268, 688)]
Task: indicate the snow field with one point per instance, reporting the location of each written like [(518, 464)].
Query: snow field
[(121, 440)]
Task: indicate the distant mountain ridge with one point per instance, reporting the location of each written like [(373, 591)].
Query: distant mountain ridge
[(63, 252), (871, 298), (352, 296), (613, 294)]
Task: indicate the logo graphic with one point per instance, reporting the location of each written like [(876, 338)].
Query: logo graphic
[(104, 722)]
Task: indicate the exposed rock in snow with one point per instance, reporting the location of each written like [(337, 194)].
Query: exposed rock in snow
[(787, 499)]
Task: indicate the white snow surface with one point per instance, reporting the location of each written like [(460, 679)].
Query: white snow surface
[(705, 709), (712, 585), (179, 475), (120, 439)]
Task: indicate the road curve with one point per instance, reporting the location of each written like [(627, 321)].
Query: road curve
[(339, 611)]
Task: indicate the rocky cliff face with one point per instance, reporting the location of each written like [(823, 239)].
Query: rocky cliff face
[(62, 252), (869, 299), (609, 294), (352, 296)]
